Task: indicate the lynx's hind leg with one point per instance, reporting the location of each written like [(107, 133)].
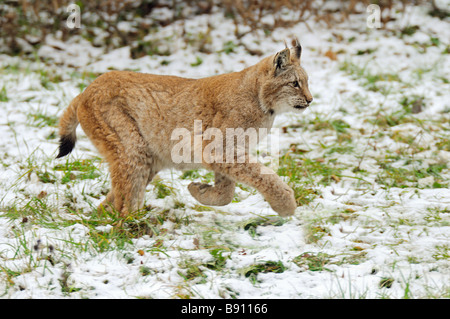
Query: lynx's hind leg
[(128, 183), (128, 188), (108, 203), (117, 136), (220, 194)]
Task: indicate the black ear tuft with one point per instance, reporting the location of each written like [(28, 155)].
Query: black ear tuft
[(297, 48), (282, 60)]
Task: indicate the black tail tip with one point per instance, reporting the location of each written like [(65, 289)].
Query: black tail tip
[(66, 145)]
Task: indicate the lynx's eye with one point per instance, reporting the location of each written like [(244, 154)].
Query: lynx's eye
[(295, 84)]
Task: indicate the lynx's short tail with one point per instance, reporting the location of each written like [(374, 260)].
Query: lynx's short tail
[(67, 128)]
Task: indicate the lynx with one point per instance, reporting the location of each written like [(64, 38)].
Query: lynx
[(130, 116)]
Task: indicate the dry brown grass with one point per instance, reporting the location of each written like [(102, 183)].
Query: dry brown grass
[(32, 20)]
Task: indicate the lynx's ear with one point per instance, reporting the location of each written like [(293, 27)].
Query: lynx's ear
[(297, 49), (282, 60)]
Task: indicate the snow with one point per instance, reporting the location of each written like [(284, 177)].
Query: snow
[(394, 232)]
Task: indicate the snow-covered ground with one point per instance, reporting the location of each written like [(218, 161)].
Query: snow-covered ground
[(369, 160)]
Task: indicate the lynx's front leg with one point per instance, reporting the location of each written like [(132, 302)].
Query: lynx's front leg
[(218, 195), (279, 195)]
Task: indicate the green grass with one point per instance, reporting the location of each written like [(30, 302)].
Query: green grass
[(204, 176), (442, 252), (401, 177), (191, 270), (313, 262), (251, 272), (48, 78), (198, 61), (40, 120), (3, 95), (300, 169), (229, 47), (219, 259), (162, 190), (76, 170), (376, 82)]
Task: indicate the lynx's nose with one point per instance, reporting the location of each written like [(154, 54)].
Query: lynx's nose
[(309, 100)]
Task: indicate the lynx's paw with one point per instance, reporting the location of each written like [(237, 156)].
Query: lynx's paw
[(283, 202), (108, 204), (210, 195), (197, 189)]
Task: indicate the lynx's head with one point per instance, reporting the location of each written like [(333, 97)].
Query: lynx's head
[(285, 86)]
